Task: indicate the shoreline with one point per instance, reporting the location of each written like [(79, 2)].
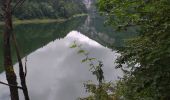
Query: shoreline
[(45, 20)]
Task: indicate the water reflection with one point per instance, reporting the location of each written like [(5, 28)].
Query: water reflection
[(55, 71), (33, 36), (95, 29)]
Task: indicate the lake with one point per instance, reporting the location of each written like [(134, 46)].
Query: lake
[(55, 70)]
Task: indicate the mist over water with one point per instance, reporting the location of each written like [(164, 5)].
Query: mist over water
[(55, 71)]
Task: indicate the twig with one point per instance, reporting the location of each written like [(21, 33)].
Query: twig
[(19, 87), (25, 66)]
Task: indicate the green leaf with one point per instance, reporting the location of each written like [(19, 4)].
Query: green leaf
[(73, 46), (84, 60), (81, 51), (92, 59)]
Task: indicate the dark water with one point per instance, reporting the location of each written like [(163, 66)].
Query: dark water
[(33, 36), (95, 29)]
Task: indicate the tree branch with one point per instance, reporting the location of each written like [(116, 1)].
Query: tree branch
[(19, 87), (21, 69), (25, 66)]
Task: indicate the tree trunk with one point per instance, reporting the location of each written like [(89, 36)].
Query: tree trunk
[(10, 74), (21, 70)]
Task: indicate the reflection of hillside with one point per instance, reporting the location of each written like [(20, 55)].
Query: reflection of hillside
[(56, 69), (87, 3), (94, 28), (34, 36)]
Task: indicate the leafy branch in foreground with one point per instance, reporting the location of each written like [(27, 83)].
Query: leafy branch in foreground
[(8, 65), (96, 69), (98, 91), (150, 50)]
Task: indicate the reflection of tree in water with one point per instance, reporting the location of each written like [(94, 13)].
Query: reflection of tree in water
[(33, 36), (87, 3), (95, 29), (94, 25)]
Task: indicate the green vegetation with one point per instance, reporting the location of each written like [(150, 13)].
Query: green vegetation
[(49, 9), (40, 9), (35, 21), (147, 56), (42, 21), (100, 90)]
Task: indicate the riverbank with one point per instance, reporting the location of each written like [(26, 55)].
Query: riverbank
[(41, 21)]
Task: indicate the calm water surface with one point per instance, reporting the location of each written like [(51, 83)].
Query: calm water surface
[(55, 70)]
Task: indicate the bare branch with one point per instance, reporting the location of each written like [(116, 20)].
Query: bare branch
[(18, 53), (21, 69), (25, 66), (19, 87)]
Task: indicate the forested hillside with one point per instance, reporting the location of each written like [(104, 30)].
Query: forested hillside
[(32, 9)]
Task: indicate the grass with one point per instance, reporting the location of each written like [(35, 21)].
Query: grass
[(32, 21), (39, 21)]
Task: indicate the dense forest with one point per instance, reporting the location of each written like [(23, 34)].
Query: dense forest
[(36, 9)]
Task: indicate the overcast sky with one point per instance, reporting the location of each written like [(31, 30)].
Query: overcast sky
[(55, 71)]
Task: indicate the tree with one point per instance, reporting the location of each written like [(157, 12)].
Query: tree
[(10, 74), (49, 9), (8, 33), (148, 55)]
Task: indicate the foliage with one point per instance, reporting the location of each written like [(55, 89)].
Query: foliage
[(148, 55), (100, 90), (34, 9), (95, 65)]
